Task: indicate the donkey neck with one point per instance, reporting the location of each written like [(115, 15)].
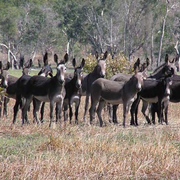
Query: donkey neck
[(95, 74), (130, 88)]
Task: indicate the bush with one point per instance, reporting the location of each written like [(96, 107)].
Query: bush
[(119, 64)]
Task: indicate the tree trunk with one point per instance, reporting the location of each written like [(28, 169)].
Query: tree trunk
[(10, 52), (161, 38)]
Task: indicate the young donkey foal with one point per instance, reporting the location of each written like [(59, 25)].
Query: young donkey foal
[(103, 90), (73, 91), (47, 90)]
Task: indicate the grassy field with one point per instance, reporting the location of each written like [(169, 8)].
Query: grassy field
[(90, 152)]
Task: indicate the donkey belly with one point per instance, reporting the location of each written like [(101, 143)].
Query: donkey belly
[(151, 100), (43, 98), (113, 101)]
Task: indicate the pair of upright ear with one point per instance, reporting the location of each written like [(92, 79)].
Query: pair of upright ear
[(82, 63), (103, 58), (173, 61), (64, 61)]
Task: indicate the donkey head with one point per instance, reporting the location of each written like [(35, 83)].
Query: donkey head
[(138, 78), (4, 74), (61, 69), (169, 68), (25, 71), (78, 73), (4, 78), (100, 68), (45, 71)]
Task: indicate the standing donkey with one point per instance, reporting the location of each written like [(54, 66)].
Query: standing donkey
[(98, 72), (10, 83), (103, 90), (73, 91), (46, 90)]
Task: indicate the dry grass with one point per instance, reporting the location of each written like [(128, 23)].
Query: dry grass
[(90, 152)]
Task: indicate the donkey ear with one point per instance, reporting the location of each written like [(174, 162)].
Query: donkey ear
[(138, 62), (45, 59), (105, 55), (74, 62), (1, 65), (66, 58), (56, 58), (8, 65), (82, 63), (166, 58), (147, 62), (96, 55)]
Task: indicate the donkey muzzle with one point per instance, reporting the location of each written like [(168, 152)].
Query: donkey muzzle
[(61, 82)]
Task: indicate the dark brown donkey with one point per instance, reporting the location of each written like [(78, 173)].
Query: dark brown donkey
[(44, 89), (6, 80), (11, 81), (103, 90), (98, 72), (73, 91)]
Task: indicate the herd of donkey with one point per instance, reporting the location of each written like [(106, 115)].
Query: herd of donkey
[(155, 90)]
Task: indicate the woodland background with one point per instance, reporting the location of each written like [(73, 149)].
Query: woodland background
[(134, 28)]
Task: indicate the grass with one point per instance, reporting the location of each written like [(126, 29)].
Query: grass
[(86, 151), (90, 152)]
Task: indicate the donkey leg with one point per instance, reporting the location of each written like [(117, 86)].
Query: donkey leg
[(16, 107), (70, 112), (51, 112), (153, 112), (1, 103), (36, 105), (143, 110), (77, 111), (42, 112), (25, 109), (92, 110), (166, 113), (65, 112), (99, 110), (6, 100), (86, 106), (110, 112), (115, 114), (125, 111), (134, 111), (60, 107)]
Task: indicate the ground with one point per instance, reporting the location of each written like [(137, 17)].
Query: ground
[(86, 151)]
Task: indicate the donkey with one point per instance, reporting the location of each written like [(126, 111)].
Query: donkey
[(12, 89), (174, 93), (166, 69), (6, 80), (103, 90), (98, 72), (45, 89), (123, 78), (73, 91), (153, 91)]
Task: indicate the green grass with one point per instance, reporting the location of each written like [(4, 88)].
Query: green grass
[(18, 72)]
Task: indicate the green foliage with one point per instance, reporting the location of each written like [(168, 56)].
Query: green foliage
[(119, 64)]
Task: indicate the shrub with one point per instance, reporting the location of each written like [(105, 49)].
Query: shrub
[(119, 64)]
